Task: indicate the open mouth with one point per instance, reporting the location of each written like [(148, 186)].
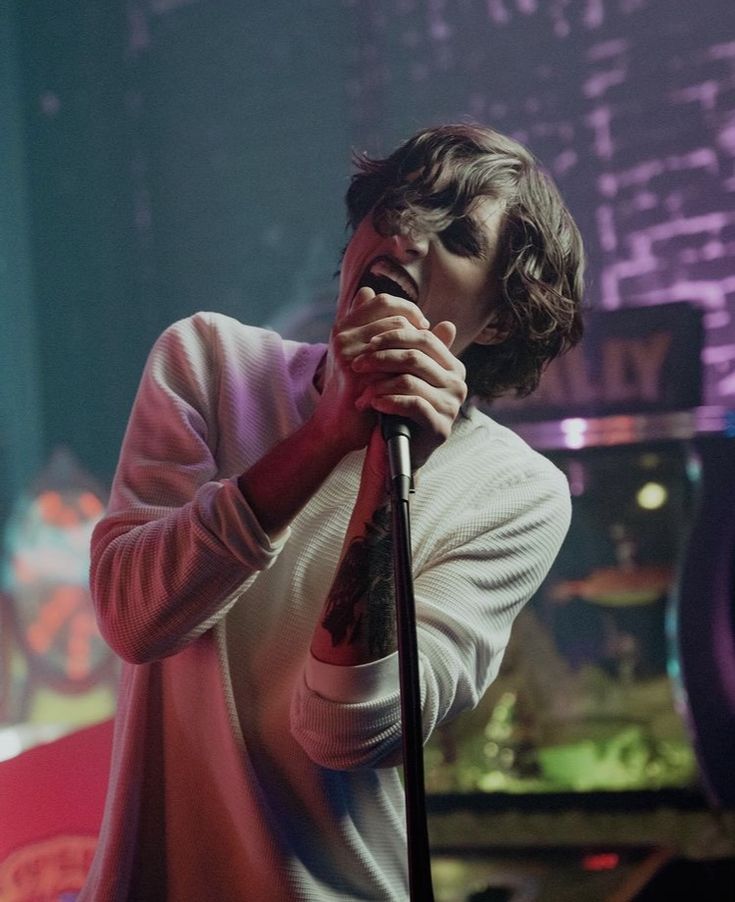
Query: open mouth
[(384, 277)]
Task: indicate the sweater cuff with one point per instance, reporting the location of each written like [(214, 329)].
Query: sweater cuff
[(353, 684)]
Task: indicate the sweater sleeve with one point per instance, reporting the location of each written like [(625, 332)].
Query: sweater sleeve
[(177, 545), (466, 600)]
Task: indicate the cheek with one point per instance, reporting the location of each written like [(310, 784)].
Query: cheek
[(473, 276), (360, 249), (351, 253)]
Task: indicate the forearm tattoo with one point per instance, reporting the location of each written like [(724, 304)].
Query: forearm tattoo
[(361, 603)]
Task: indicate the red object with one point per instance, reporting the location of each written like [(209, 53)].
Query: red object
[(603, 861), (51, 802)]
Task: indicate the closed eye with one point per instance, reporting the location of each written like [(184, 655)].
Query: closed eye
[(464, 238)]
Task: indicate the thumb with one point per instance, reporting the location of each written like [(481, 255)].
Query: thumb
[(445, 331)]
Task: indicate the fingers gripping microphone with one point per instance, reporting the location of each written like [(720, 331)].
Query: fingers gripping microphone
[(397, 434)]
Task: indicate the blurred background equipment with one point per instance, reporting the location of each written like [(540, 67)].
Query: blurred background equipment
[(58, 671)]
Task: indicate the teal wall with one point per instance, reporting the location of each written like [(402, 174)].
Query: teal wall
[(71, 85), (175, 156), (21, 427)]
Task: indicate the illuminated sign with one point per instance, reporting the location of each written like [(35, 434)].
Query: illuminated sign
[(638, 360)]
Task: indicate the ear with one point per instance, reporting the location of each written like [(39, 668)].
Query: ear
[(492, 333)]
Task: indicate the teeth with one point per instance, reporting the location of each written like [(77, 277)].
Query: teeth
[(384, 268)]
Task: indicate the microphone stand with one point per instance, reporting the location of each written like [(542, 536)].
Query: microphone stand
[(397, 434)]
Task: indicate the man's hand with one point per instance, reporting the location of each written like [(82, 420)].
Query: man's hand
[(344, 420), (410, 371), (341, 419)]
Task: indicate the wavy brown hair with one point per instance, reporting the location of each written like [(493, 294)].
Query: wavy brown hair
[(430, 183)]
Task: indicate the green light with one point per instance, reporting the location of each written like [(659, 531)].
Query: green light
[(652, 496)]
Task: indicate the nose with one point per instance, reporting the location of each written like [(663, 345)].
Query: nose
[(410, 244)]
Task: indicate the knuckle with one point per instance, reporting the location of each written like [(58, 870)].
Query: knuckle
[(457, 385), (340, 337), (405, 382), (460, 390), (450, 412)]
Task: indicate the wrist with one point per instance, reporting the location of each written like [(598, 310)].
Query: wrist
[(323, 437), (279, 484), (375, 471)]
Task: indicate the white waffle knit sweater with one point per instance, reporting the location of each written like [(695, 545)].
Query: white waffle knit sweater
[(242, 769)]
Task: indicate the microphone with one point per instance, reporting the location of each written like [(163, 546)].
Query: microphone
[(397, 434)]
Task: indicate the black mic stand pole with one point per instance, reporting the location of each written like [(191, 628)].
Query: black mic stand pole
[(397, 434)]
